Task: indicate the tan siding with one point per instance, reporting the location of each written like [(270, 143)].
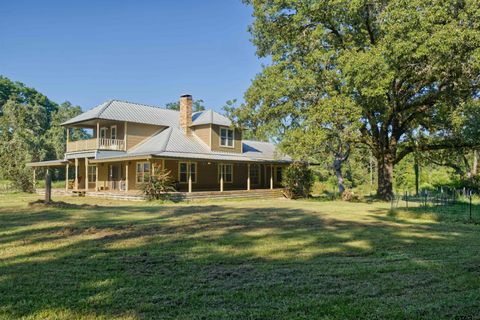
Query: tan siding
[(207, 175), (137, 133), (216, 141), (108, 125), (203, 133), (102, 175)]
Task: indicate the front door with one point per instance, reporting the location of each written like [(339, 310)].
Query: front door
[(114, 176)]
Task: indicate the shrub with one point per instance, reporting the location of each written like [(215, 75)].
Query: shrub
[(158, 186), (298, 180), (349, 195), (21, 178)]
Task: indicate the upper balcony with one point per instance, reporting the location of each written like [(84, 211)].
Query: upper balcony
[(102, 134), (96, 144)]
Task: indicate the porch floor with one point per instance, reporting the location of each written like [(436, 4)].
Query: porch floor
[(206, 194)]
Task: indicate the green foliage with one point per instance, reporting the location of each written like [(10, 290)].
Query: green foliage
[(407, 71), (29, 130), (22, 128), (56, 136), (158, 186), (298, 180)]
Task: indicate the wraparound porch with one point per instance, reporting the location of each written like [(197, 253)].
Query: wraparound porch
[(90, 175), (177, 196)]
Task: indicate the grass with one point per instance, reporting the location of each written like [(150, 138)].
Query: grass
[(459, 211), (267, 259)]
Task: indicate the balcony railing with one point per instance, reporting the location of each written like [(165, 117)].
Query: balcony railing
[(111, 144), (91, 144)]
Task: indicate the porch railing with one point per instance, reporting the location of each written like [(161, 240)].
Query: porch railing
[(111, 144), (91, 144)]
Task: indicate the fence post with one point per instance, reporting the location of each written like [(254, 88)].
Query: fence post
[(406, 198), (470, 207)]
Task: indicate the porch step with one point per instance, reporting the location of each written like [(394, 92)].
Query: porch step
[(231, 194)]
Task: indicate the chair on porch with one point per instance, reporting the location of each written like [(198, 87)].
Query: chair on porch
[(72, 183)]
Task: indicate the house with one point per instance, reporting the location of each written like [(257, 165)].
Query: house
[(130, 141)]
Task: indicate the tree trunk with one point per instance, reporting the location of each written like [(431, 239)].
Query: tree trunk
[(475, 163), (416, 169), (385, 176), (337, 165)]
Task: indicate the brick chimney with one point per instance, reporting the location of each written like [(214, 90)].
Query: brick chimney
[(186, 112)]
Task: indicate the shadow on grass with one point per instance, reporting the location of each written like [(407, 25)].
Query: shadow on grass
[(215, 261)]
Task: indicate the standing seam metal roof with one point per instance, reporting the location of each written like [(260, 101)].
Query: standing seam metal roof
[(140, 113), (172, 141)]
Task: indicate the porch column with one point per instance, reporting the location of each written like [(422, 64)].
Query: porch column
[(34, 177), (86, 173), (271, 176), (189, 172), (76, 173), (248, 177), (126, 176), (96, 177), (66, 177), (98, 135), (125, 136), (68, 136), (221, 177)]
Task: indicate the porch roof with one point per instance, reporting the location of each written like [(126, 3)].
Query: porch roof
[(187, 155), (49, 163)]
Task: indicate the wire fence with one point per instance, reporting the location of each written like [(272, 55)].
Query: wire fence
[(445, 203)]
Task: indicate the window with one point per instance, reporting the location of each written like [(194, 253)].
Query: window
[(103, 133), (143, 171), (226, 137), (255, 174), (186, 168), (92, 173), (227, 171), (278, 174), (113, 132)]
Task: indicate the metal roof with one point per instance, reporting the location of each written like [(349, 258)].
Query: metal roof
[(210, 117), (259, 150), (119, 110), (173, 142), (50, 163)]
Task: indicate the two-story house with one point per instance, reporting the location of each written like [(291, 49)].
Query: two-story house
[(201, 150)]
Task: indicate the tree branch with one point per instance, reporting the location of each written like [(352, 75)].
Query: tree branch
[(367, 24), (447, 144)]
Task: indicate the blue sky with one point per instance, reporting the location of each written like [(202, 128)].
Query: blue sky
[(142, 51)]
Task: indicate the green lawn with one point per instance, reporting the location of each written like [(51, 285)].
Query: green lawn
[(270, 259)]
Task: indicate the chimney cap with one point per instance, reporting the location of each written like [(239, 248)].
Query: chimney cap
[(186, 95)]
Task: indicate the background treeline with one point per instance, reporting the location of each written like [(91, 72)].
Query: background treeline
[(425, 171), (30, 131)]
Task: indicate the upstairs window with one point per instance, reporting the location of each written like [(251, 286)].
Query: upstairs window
[(227, 137), (103, 133), (113, 132)]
